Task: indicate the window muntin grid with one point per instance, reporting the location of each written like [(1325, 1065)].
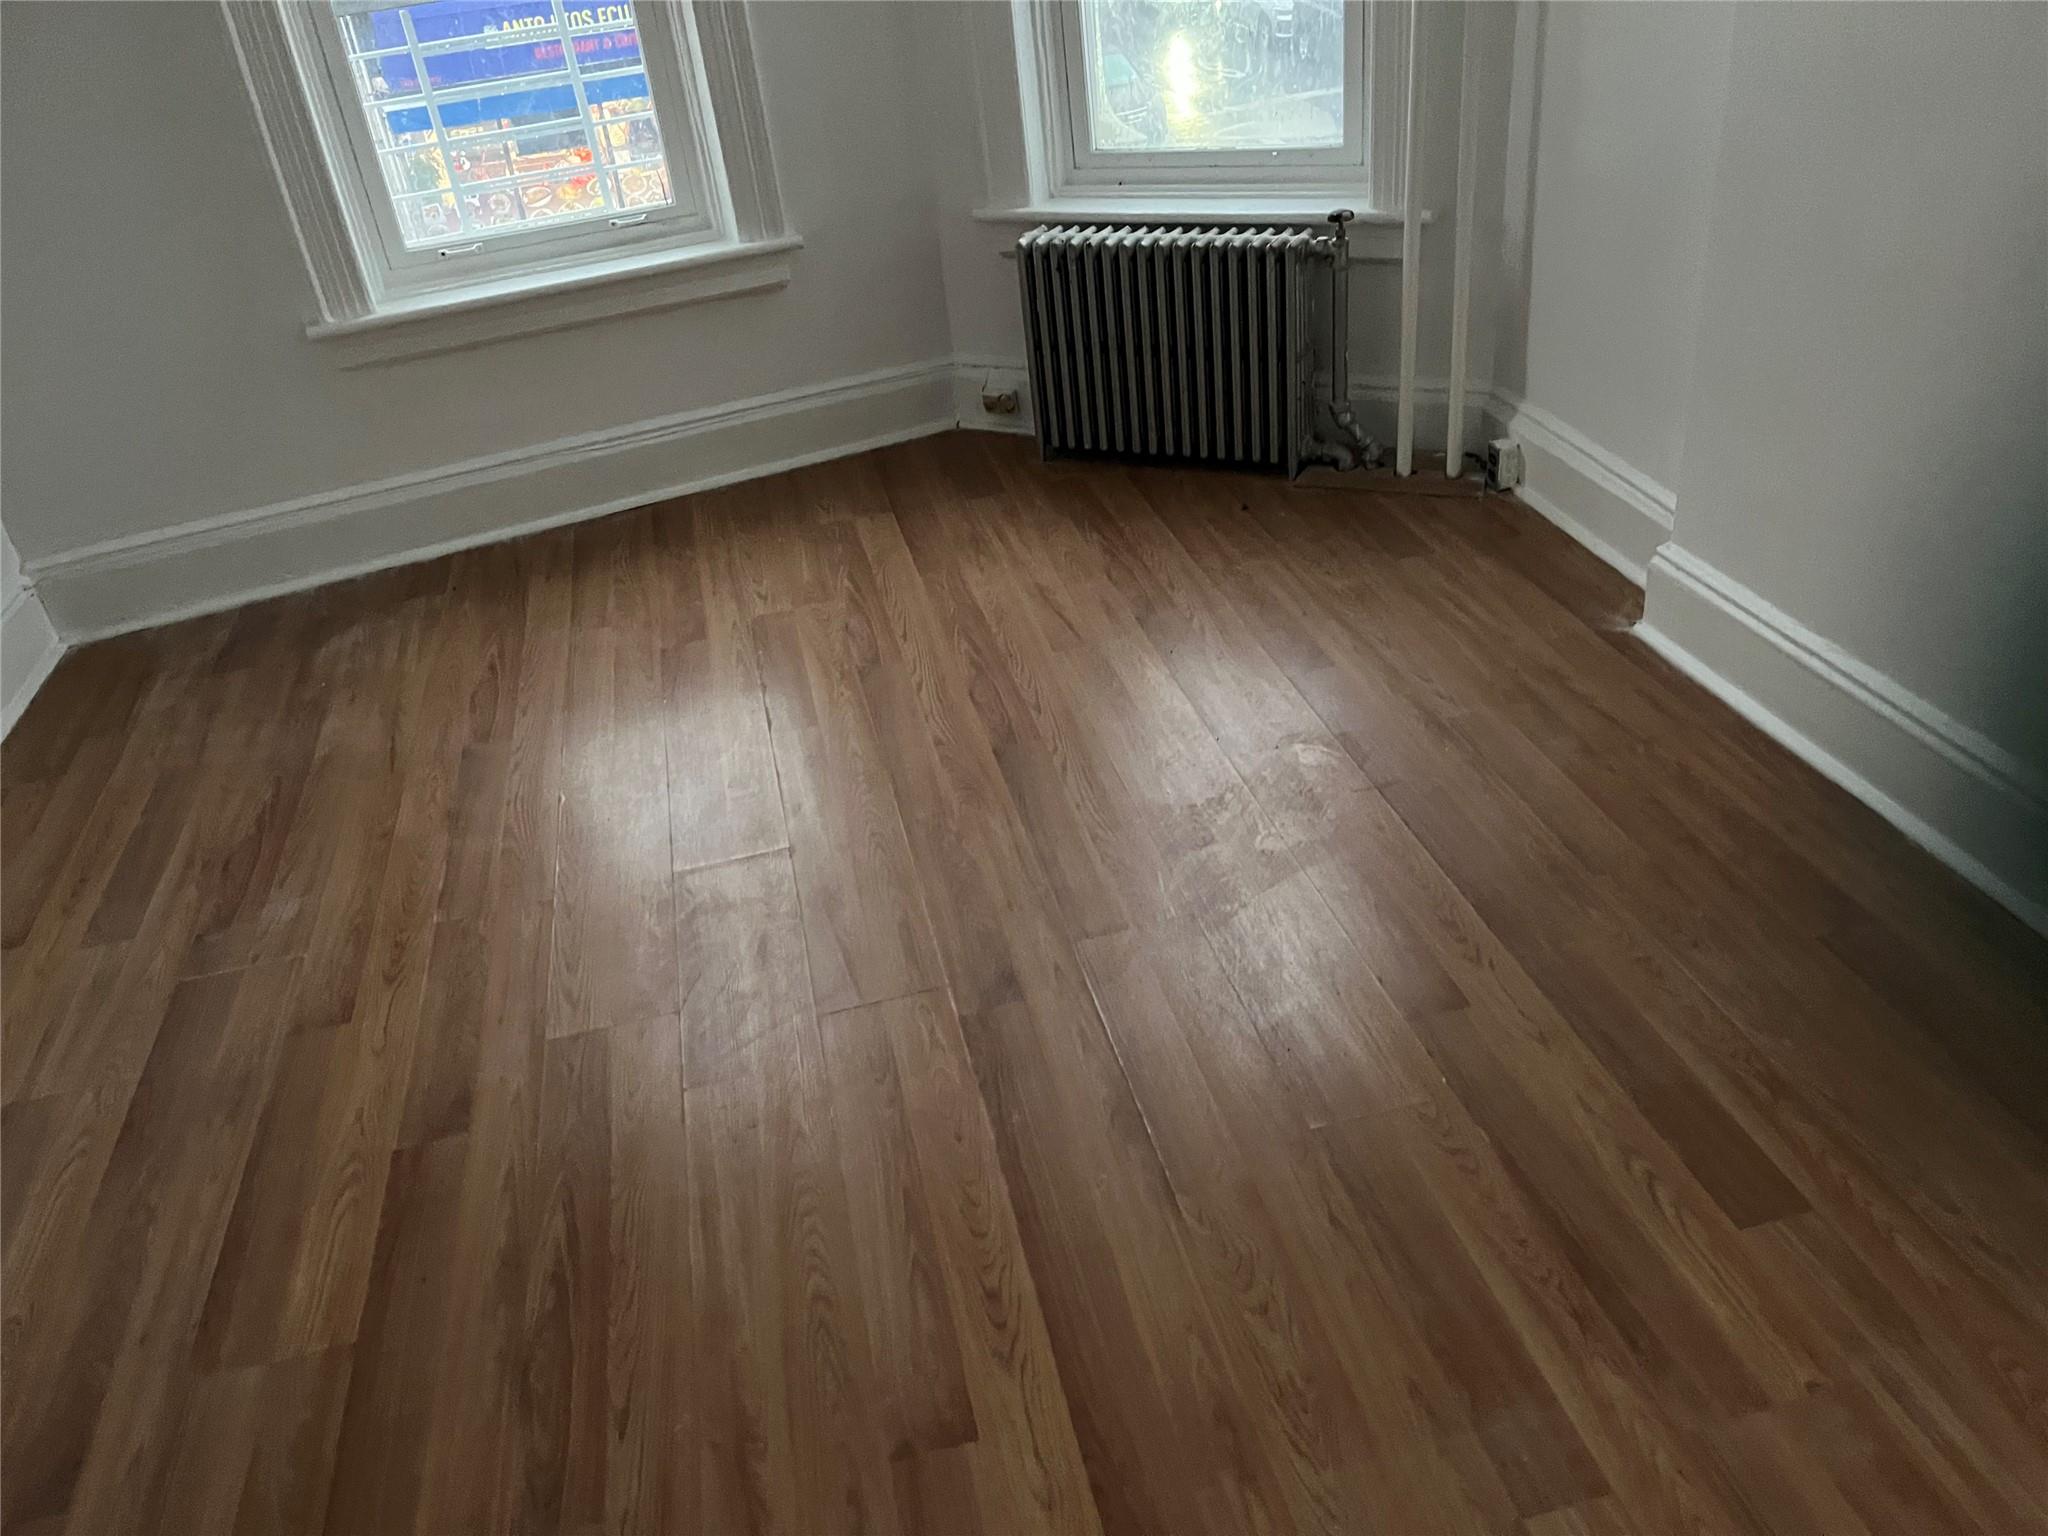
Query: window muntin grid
[(490, 118)]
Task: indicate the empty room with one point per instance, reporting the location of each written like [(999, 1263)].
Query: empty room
[(1024, 766)]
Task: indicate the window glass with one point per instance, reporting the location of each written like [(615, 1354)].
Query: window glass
[(1214, 74), (493, 117)]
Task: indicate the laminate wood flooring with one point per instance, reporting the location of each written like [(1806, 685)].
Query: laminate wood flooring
[(941, 993)]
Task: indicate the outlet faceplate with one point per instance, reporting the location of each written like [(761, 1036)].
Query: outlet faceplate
[(1503, 463)]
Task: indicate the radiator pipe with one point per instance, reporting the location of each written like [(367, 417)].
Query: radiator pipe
[(1411, 252), (1461, 260), (1353, 449)]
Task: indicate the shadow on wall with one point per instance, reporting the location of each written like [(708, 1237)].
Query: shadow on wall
[(1518, 202), (2002, 616)]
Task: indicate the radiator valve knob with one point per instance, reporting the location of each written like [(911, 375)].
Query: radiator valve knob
[(1341, 216)]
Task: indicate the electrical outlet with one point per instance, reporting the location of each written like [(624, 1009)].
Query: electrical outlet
[(1503, 463), (999, 402)]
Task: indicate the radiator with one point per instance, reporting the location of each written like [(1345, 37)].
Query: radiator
[(1173, 343)]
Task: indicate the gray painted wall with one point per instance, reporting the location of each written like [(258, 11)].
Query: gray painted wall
[(157, 371), (1866, 438)]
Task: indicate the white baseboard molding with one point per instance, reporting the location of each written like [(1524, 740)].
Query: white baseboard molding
[(1601, 500), (29, 652), (221, 562), (1969, 802), (1619, 513), (1373, 399), (1376, 402)]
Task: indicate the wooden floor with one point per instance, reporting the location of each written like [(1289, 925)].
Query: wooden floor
[(944, 994)]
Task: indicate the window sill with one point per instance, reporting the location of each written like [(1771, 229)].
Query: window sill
[(524, 306), (1375, 235)]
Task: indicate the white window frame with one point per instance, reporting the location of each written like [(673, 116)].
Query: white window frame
[(1063, 165), (698, 212), (725, 233)]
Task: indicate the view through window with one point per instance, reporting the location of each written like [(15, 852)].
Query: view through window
[(1214, 74), (494, 118)]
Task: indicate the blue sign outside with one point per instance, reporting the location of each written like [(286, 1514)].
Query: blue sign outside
[(502, 54)]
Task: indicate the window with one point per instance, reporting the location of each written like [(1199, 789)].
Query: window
[(1207, 97), (484, 133), (1197, 78), (487, 121), (445, 154)]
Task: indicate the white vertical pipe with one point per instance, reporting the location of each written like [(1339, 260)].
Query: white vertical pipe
[(1411, 251), (1461, 260)]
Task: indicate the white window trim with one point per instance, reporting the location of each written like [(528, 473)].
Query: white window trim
[(497, 309), (748, 250), (1065, 182), (696, 213)]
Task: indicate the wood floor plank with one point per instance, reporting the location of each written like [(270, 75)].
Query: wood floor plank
[(921, 1382), (53, 1153), (1204, 1081), (650, 1419), (475, 835), (1064, 1120), (340, 843), (615, 919), (1666, 1481), (863, 911), (947, 992), (362, 1108), (244, 1321), (91, 1395), (787, 551), (741, 959), (1210, 842), (1080, 820), (1338, 697), (534, 776), (484, 1351), (724, 801), (444, 1065), (76, 759), (1027, 1465), (558, 1449), (936, 1494), (1756, 1002), (1891, 1361), (71, 1028), (289, 1478), (1541, 1459), (1686, 892), (217, 1437), (790, 1439), (380, 1461), (256, 761)]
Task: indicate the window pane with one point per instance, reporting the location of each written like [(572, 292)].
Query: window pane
[(1214, 74), (532, 110), (426, 220)]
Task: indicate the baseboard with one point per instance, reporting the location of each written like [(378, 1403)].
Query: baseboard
[(1601, 500), (1375, 401), (29, 652), (220, 562), (1969, 802), (217, 563)]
